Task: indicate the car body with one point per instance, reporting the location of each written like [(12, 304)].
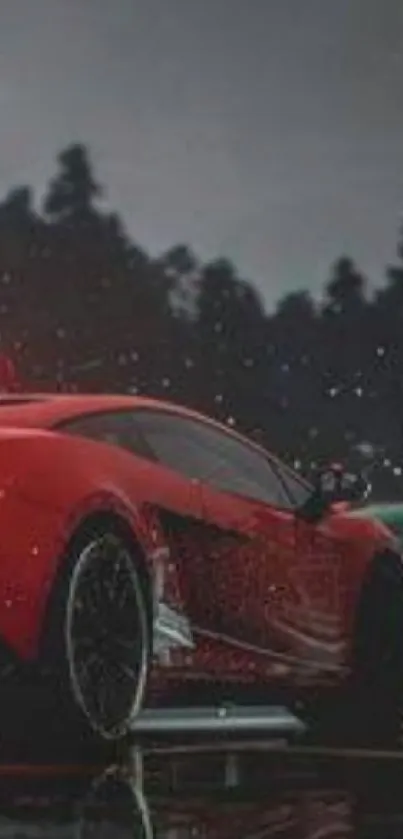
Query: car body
[(242, 589)]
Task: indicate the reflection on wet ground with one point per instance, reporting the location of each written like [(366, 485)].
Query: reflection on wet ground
[(221, 794)]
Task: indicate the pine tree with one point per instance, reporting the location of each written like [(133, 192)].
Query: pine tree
[(73, 191)]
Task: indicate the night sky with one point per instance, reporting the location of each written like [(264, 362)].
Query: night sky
[(270, 130)]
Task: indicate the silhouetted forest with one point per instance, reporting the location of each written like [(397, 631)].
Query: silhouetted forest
[(83, 307)]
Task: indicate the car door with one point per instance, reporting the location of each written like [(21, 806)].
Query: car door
[(283, 585)]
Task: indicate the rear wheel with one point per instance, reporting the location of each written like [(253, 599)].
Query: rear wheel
[(100, 634), (377, 666)]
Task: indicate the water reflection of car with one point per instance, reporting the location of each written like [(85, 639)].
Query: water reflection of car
[(148, 552), (286, 798), (114, 806), (117, 806), (183, 797)]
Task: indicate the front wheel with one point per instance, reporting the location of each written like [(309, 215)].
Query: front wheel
[(101, 630)]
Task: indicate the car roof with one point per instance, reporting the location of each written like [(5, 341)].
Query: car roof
[(51, 410), (48, 410)]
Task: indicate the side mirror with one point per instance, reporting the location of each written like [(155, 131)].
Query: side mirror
[(333, 485)]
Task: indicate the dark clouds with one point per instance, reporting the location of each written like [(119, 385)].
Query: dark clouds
[(271, 130)]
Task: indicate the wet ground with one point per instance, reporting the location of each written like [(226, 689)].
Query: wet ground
[(247, 791)]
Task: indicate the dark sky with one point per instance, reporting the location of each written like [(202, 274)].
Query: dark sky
[(271, 130)]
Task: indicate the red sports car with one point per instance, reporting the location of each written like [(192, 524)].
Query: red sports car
[(147, 549)]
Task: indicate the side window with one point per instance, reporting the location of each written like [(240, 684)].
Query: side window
[(114, 428), (202, 452), (195, 450)]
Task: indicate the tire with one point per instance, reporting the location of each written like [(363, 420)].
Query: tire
[(98, 637), (377, 655)]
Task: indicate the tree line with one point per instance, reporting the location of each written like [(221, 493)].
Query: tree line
[(85, 308)]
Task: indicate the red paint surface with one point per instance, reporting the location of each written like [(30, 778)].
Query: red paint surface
[(270, 597)]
